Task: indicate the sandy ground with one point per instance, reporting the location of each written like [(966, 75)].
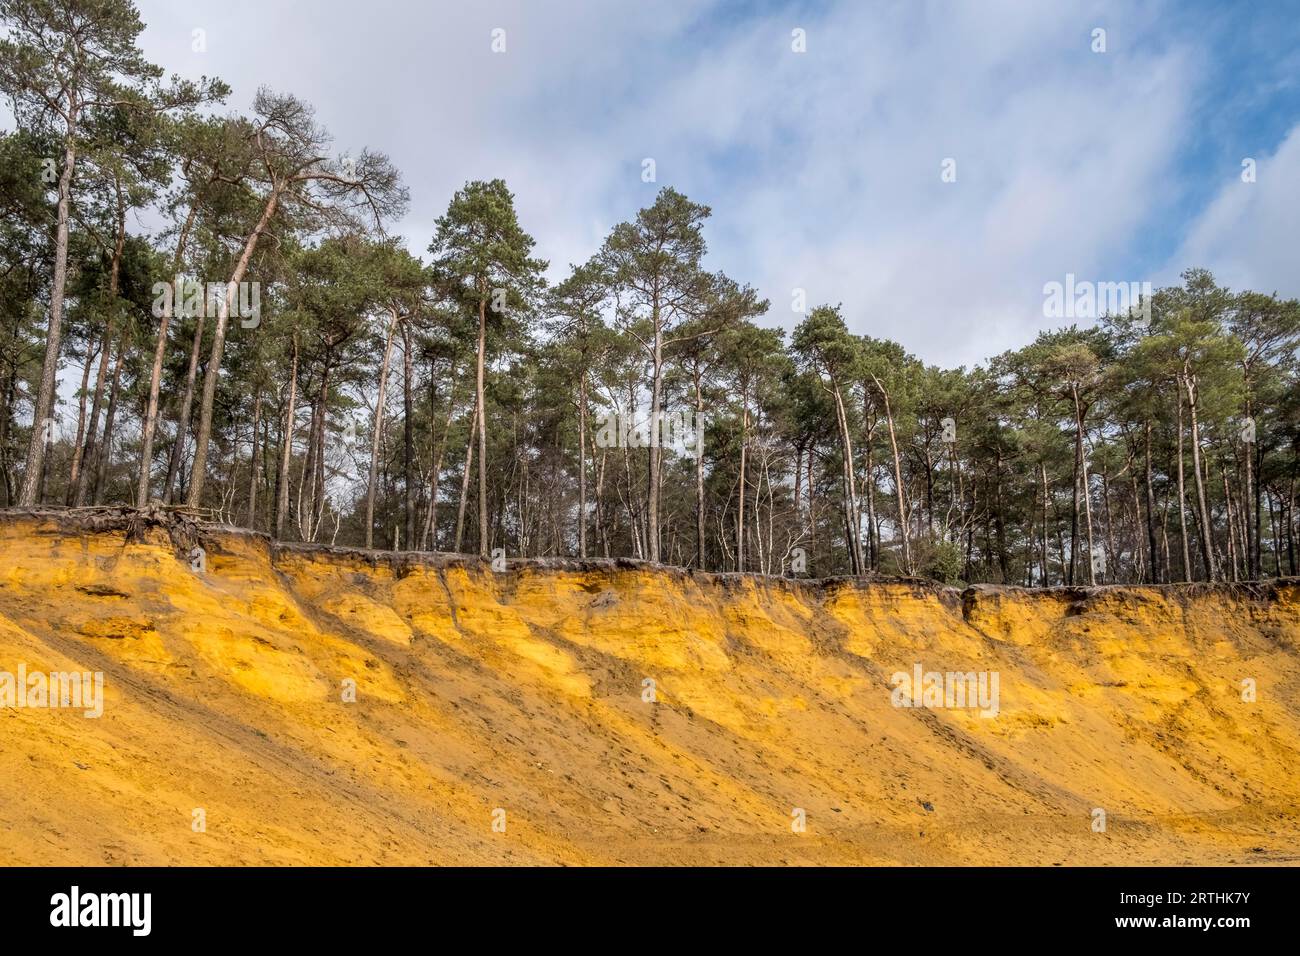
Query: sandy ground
[(506, 718)]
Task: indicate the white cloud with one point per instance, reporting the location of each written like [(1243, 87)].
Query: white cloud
[(1247, 236), (822, 168)]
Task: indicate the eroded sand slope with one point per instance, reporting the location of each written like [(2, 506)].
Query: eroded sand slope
[(524, 691)]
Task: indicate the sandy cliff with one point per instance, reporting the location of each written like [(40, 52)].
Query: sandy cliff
[(525, 691)]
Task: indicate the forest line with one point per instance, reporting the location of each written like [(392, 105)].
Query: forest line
[(340, 389)]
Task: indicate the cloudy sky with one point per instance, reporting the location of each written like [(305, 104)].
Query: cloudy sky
[(823, 168)]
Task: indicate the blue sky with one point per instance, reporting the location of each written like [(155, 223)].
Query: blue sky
[(823, 167), (1247, 100)]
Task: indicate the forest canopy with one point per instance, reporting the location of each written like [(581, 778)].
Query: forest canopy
[(637, 407)]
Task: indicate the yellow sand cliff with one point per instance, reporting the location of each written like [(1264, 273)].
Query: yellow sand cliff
[(530, 692)]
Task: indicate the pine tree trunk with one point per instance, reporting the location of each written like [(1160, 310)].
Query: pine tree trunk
[(186, 410), (44, 405), (150, 424), (1155, 576), (655, 457), (106, 447), (198, 471), (95, 460), (582, 465), (408, 434), (852, 533), (83, 395), (376, 431), (1182, 493), (872, 557), (740, 497), (1233, 527), (1207, 544), (252, 460), (481, 416), (699, 474), (1042, 469), (317, 499), (90, 448), (286, 446), (898, 480), (1250, 509), (10, 392), (601, 531), (1086, 491), (464, 480)]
